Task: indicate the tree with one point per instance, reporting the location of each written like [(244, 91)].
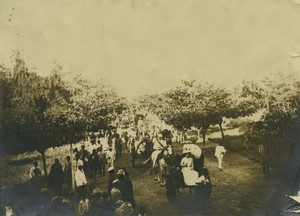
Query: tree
[(198, 105), (41, 112), (279, 126), (32, 112), (97, 103)]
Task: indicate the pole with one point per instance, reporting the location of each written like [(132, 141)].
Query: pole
[(72, 169)]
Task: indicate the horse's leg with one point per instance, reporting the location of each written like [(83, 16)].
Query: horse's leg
[(156, 173), (163, 173)]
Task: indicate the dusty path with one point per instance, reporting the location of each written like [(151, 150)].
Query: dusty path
[(240, 189)]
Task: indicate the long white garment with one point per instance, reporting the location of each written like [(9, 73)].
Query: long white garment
[(190, 176), (220, 150), (219, 153), (80, 178)]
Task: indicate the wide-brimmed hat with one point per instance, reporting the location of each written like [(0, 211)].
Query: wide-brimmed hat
[(110, 169), (186, 150), (121, 172), (115, 181), (96, 191)]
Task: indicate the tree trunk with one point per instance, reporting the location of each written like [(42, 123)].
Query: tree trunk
[(203, 133), (72, 167), (45, 168), (220, 125)]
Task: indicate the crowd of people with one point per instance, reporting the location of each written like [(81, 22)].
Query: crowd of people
[(97, 157), (58, 198)]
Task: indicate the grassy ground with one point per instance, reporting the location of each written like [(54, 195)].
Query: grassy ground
[(240, 189)]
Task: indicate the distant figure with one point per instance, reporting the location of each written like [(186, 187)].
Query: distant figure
[(35, 175), (219, 153), (102, 161), (110, 157), (35, 171), (140, 125), (93, 163), (56, 177), (110, 179), (81, 182), (68, 173), (264, 153), (118, 146), (93, 138)]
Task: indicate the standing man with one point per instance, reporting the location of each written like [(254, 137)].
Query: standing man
[(118, 146), (102, 161), (80, 181), (219, 153), (35, 175), (264, 153), (56, 177), (68, 173), (110, 157)]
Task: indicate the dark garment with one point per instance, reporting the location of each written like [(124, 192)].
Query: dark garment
[(179, 179), (102, 163), (118, 147), (202, 195), (199, 163), (148, 148), (35, 188), (110, 180), (126, 189), (93, 139), (82, 192), (93, 163), (56, 178), (171, 188), (68, 175)]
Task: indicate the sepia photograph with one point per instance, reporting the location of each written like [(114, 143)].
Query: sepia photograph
[(149, 107)]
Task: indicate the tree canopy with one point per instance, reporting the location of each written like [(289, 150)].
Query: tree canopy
[(199, 105), (41, 112)]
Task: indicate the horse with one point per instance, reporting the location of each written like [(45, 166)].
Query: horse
[(161, 163), (140, 147)]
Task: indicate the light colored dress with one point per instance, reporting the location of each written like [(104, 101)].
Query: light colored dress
[(190, 176)]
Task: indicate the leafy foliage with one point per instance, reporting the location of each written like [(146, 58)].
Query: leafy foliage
[(41, 112), (198, 105), (280, 95)]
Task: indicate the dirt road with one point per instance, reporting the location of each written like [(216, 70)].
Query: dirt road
[(240, 189)]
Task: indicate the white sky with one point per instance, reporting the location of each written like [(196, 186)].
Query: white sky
[(142, 46)]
